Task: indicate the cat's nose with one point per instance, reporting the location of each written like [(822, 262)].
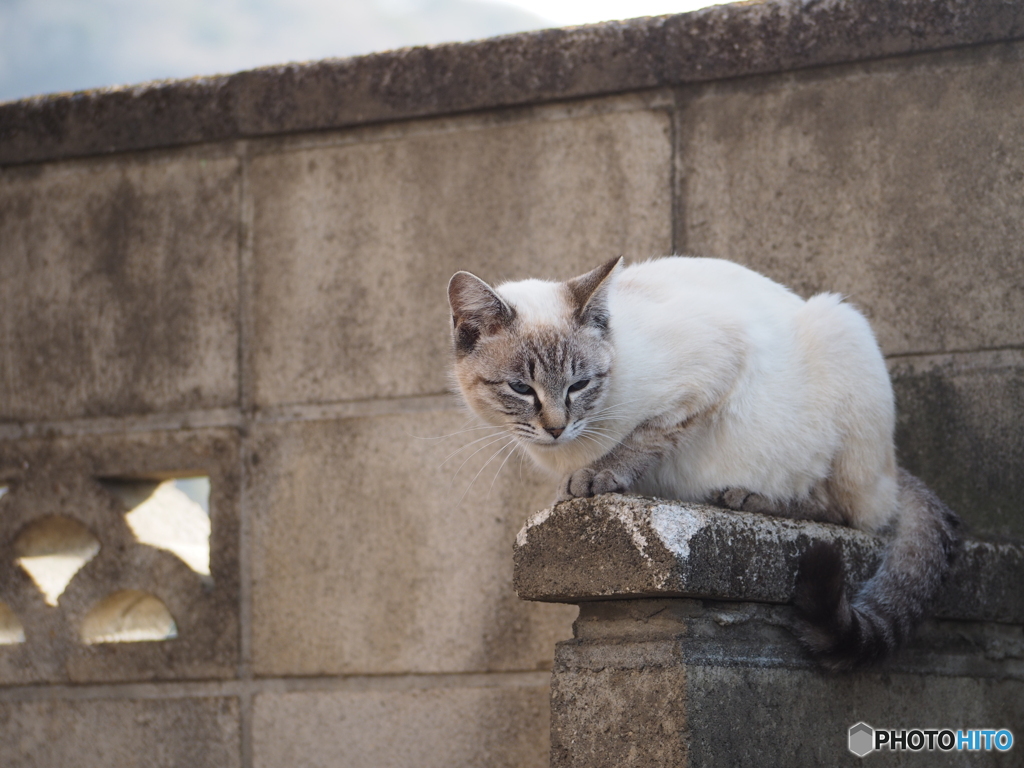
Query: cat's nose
[(554, 431)]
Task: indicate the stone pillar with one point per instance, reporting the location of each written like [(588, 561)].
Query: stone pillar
[(683, 654)]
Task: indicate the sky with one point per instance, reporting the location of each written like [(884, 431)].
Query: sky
[(49, 46), (568, 12)]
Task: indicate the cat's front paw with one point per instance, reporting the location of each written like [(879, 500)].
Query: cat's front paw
[(587, 482)]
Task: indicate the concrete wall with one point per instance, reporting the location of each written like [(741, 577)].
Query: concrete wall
[(244, 278), (685, 654)]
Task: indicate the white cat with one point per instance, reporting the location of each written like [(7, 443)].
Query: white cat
[(700, 380)]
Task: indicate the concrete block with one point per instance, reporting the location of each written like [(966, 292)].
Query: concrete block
[(595, 721), (607, 701), (498, 727), (354, 243), (61, 477), (122, 733), (898, 183), (719, 678), (118, 286), (685, 683), (372, 554), (960, 428), (617, 547), (802, 718)]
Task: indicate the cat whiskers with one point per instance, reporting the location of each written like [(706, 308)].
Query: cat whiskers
[(511, 453), (456, 433), (591, 429), (494, 440), (598, 425), (599, 436), (610, 411), (603, 444), (510, 436), (525, 432), (498, 432), (512, 441)]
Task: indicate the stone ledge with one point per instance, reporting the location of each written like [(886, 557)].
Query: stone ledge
[(619, 547), (715, 43)]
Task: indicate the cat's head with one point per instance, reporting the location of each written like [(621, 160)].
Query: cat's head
[(534, 356)]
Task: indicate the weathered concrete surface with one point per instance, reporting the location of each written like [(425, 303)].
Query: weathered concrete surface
[(630, 546), (126, 733), (960, 428), (702, 682), (61, 477), (119, 286), (899, 184), (687, 683), (597, 717), (716, 43), (802, 718), (664, 632), (354, 243), (497, 727), (372, 554)]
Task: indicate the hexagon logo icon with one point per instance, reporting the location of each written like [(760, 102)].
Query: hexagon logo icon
[(862, 739)]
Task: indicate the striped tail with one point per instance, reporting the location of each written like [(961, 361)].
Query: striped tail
[(845, 633)]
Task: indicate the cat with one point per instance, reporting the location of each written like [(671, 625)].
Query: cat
[(701, 380)]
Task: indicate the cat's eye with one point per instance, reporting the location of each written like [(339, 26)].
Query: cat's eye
[(522, 389), (582, 383)]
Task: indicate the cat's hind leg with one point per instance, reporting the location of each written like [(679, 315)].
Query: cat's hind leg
[(741, 500), (815, 506)]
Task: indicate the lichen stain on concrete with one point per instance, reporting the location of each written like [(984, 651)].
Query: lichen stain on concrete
[(626, 515), (536, 519), (676, 526)]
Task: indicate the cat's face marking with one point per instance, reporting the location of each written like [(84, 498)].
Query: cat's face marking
[(539, 383), (534, 357)]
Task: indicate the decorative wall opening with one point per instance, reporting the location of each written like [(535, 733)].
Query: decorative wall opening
[(52, 550), (173, 515), (3, 491), (121, 557), (128, 616), (11, 630)]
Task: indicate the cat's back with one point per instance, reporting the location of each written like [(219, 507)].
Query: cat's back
[(697, 284)]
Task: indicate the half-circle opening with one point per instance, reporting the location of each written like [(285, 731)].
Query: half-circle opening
[(128, 616), (52, 550), (11, 630)]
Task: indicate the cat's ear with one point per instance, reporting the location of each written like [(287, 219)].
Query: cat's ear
[(589, 294), (476, 311)]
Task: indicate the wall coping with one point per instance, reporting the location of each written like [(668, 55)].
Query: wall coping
[(574, 62), (630, 547)]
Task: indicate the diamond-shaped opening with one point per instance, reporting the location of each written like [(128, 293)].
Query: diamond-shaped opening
[(128, 616), (52, 550), (11, 630), (173, 515)]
